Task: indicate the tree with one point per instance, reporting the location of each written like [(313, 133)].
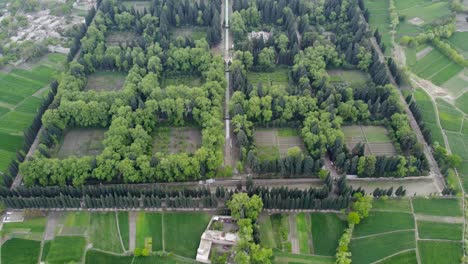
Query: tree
[(267, 58), (353, 218), (137, 252), (243, 206)]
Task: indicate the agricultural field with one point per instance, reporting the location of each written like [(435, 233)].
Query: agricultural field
[(22, 91), (380, 19), (82, 142), (432, 252), (105, 81), (274, 143), (288, 258), (418, 13), (65, 249), (436, 67), (428, 112), (389, 234), (124, 228), (458, 40), (374, 138), (104, 233), (149, 225), (170, 140), (462, 103), (317, 234), (450, 118), (20, 251), (278, 76)]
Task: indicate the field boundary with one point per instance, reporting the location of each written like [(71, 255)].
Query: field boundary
[(393, 255), (383, 233)]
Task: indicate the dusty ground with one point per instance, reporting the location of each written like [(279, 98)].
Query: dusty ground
[(423, 186)]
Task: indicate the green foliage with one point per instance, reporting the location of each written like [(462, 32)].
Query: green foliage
[(103, 232), (381, 222), (394, 205), (326, 231), (149, 225), (243, 206), (124, 228)]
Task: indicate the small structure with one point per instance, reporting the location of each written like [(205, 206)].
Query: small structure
[(224, 236), (13, 217), (260, 34)]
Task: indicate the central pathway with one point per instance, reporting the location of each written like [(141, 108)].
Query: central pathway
[(227, 119), (131, 230)]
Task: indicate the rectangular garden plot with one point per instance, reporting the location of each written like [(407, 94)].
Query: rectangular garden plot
[(82, 142), (177, 140), (374, 138), (115, 38), (190, 80), (137, 5), (196, 33), (274, 143), (105, 81)]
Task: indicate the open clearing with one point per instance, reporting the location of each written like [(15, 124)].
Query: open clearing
[(273, 143), (105, 81), (278, 76), (196, 33), (115, 38), (190, 80), (82, 142), (104, 233), (394, 205), (374, 138), (348, 76), (137, 5), (458, 40), (176, 140), (21, 93)]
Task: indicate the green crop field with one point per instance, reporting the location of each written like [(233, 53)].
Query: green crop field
[(21, 93), (349, 76), (104, 258), (435, 252), (462, 102), (396, 205), (65, 249), (380, 222), (20, 251), (304, 233), (458, 144), (458, 40), (149, 225), (326, 231), (183, 231), (438, 207), (427, 108), (267, 238), (373, 248), (103, 232), (380, 19), (288, 258), (455, 86), (32, 228), (407, 257), (280, 225), (450, 118), (436, 67), (123, 227), (436, 230)]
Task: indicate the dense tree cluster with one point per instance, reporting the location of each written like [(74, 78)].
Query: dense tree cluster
[(311, 101), (133, 113)]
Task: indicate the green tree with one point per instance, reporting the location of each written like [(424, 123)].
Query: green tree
[(243, 206)]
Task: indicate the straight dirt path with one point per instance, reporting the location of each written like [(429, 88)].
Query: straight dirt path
[(32, 149), (441, 219), (131, 230), (416, 233), (118, 230), (293, 234), (310, 238), (52, 222), (163, 235)]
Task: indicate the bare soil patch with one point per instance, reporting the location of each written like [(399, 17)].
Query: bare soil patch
[(171, 140), (274, 142), (423, 53)]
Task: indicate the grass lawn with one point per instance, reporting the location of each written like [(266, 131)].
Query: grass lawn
[(123, 227), (182, 232), (20, 251), (455, 86), (437, 230), (370, 249), (303, 232), (278, 76), (195, 32), (407, 257), (381, 222), (65, 249), (74, 219), (149, 225), (267, 238), (326, 231), (450, 118), (45, 250), (435, 252), (427, 108), (82, 142), (288, 258), (396, 205), (379, 18), (438, 207), (103, 232), (349, 76)]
